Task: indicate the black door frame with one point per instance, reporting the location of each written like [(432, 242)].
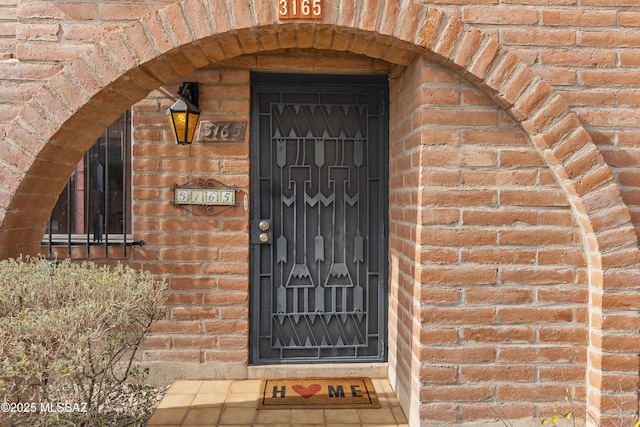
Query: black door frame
[(318, 84)]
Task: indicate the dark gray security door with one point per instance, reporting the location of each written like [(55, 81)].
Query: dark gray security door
[(318, 219)]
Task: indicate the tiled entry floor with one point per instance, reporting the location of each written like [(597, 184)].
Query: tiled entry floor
[(233, 404)]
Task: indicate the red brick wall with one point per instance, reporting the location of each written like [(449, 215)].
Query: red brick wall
[(204, 256), (587, 50), (8, 22), (511, 232), (482, 233)]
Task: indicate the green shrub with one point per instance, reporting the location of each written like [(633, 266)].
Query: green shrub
[(68, 336)]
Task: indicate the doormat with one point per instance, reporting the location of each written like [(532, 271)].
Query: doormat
[(317, 393)]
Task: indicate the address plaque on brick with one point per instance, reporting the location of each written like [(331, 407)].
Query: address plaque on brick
[(203, 193), (299, 9), (222, 131)]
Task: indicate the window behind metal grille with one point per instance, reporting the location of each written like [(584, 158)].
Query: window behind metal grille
[(94, 209)]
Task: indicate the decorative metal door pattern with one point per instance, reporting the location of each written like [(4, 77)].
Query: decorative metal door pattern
[(319, 203)]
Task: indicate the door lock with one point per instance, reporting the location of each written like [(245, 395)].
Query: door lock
[(261, 231)]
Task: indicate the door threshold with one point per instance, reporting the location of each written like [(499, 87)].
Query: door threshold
[(371, 370)]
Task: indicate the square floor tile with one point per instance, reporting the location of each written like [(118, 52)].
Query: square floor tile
[(237, 415), (377, 416), (176, 400), (397, 412), (381, 385), (273, 416), (242, 399), (167, 416), (184, 387), (215, 387), (341, 416), (202, 399), (248, 386), (307, 416), (202, 416)]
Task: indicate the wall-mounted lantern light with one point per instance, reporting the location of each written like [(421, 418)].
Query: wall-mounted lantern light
[(183, 115)]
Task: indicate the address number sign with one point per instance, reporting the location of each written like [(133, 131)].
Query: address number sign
[(197, 196), (222, 131), (300, 9)]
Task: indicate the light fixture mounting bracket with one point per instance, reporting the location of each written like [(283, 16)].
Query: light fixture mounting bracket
[(189, 91)]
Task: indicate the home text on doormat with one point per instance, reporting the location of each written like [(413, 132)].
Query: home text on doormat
[(328, 393)]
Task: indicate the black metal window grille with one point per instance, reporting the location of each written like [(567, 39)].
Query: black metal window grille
[(94, 209)]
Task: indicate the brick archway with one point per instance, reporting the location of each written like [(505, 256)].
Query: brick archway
[(54, 128)]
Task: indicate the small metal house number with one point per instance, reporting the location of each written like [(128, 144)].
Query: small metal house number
[(299, 9)]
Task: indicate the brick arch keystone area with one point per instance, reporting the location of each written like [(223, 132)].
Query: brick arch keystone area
[(51, 132)]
